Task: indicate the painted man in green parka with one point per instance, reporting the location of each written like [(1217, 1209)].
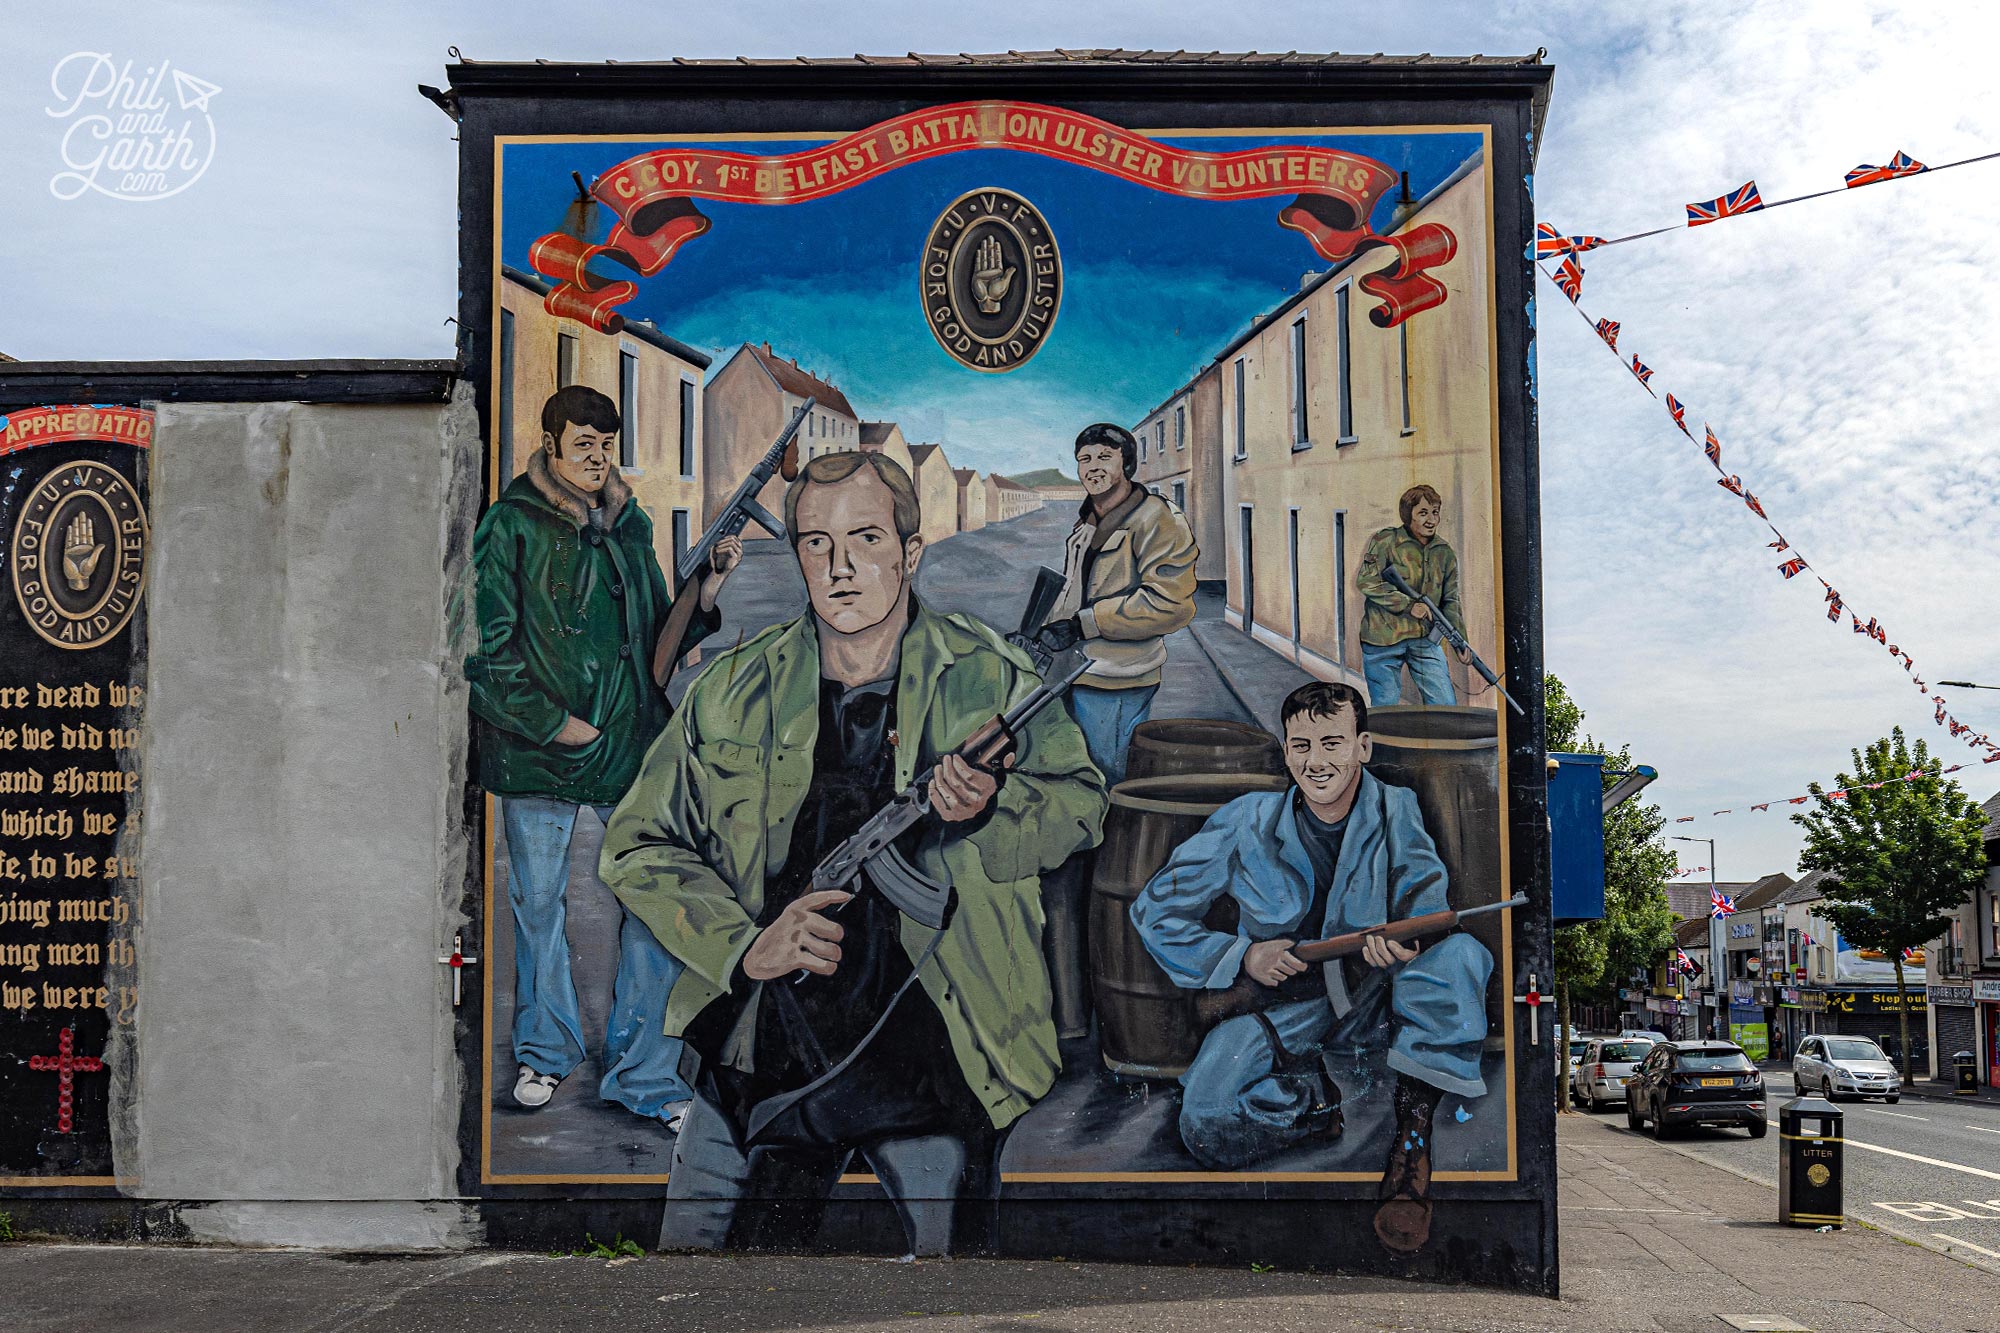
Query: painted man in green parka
[(572, 602), (799, 999)]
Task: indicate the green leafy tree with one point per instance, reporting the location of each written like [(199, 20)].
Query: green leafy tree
[(1902, 855), (1593, 957)]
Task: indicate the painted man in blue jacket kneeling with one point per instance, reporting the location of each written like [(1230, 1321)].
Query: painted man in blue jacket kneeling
[(1340, 852)]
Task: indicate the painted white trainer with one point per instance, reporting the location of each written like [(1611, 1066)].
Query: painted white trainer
[(534, 1089)]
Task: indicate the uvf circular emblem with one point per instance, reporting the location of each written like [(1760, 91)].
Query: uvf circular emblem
[(992, 280), (78, 558)]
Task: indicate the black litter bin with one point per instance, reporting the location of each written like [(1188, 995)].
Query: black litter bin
[(1809, 1163), (1966, 1066)]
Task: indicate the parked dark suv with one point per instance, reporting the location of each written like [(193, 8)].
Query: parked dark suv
[(1696, 1083)]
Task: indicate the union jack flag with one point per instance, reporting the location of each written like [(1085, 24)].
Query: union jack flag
[(1902, 164), (1720, 903), (1685, 819), (1731, 483), (1779, 545), (1723, 812), (1765, 806), (1713, 448), (1798, 800), (1679, 411), (1909, 955), (1940, 710), (1550, 243), (1840, 795), (1750, 501), (1743, 199), (1569, 277), (1806, 936), (1855, 621), (1993, 758), (1792, 568), (1684, 964), (1832, 602), (1876, 632), (1642, 370), (1607, 329)]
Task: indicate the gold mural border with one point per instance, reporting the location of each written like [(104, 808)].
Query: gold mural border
[(1491, 296)]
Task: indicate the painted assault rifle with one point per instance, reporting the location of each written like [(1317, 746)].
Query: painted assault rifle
[(871, 847), (781, 459), (1249, 997), (1440, 626)]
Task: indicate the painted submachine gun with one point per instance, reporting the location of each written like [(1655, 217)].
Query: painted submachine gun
[(1442, 628), (1042, 599), (871, 848), (781, 459), (1249, 997)]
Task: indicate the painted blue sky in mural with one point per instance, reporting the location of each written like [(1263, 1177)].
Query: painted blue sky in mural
[(1157, 284)]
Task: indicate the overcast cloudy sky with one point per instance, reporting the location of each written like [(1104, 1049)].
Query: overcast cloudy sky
[(1843, 349)]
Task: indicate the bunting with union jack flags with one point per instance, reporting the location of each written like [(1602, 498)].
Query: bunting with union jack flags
[(1679, 412), (1743, 199), (1549, 243), (1569, 277), (1902, 164)]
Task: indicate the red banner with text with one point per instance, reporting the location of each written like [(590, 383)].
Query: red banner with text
[(1334, 194), (26, 427)]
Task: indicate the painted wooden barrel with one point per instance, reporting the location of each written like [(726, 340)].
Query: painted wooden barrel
[(1145, 1024), (1450, 756), (1165, 746)]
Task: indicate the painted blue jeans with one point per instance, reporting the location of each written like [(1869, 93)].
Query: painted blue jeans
[(1384, 669), (641, 1063), (1240, 1103), (1107, 719)]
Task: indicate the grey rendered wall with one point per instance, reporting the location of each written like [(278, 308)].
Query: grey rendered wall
[(301, 857)]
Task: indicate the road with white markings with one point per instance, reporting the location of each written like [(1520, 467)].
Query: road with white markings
[(1927, 1171)]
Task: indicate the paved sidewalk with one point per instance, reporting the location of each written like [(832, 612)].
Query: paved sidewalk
[(1652, 1240), (1945, 1090)]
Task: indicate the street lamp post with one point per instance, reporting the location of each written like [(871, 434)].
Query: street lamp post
[(1718, 949)]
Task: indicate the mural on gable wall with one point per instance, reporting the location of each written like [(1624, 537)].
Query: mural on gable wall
[(986, 637)]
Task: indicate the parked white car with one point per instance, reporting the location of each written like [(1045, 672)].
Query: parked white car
[(1835, 1066), (1641, 1034), (1603, 1071)]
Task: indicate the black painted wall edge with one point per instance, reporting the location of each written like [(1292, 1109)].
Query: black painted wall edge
[(34, 383)]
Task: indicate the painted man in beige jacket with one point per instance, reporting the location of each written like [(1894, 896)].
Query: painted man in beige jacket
[(1128, 582)]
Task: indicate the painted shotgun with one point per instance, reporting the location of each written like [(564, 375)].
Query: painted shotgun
[(1249, 997)]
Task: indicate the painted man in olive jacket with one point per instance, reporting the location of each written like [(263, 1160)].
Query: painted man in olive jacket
[(571, 601), (1395, 630), (814, 1042)]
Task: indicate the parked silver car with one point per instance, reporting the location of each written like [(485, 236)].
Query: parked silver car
[(1845, 1066), (1607, 1064)]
